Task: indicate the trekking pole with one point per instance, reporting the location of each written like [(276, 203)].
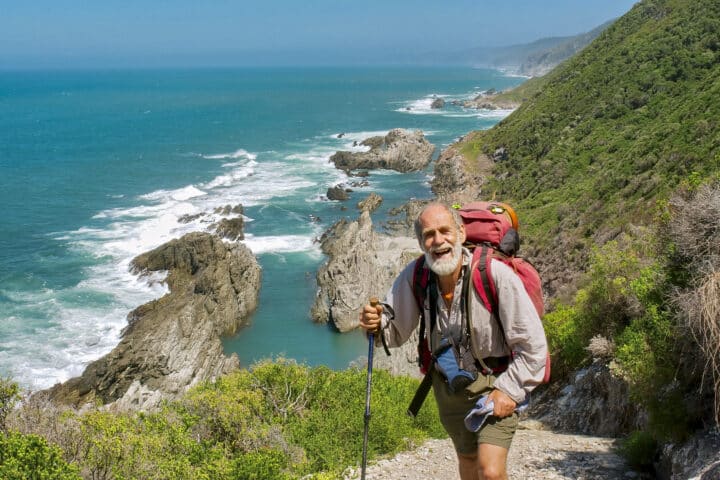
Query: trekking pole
[(371, 342)]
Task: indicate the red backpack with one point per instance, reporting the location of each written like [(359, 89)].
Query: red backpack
[(491, 230)]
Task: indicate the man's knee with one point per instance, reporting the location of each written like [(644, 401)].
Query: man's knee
[(492, 461), (492, 471)]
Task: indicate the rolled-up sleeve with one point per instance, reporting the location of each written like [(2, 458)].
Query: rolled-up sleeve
[(524, 334)]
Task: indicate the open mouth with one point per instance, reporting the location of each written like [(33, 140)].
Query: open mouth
[(442, 252)]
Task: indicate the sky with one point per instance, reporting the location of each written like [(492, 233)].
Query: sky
[(137, 33)]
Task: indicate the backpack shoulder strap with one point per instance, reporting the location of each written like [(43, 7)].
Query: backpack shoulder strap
[(482, 278), (421, 278), (424, 282)]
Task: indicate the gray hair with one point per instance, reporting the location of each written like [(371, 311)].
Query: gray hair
[(453, 212)]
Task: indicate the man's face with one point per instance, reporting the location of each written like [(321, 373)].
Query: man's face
[(441, 240)]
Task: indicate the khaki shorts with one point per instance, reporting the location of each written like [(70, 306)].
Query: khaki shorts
[(454, 407)]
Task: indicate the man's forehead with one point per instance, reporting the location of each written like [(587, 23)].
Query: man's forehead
[(435, 217)]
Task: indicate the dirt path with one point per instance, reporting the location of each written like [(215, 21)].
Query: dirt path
[(535, 454)]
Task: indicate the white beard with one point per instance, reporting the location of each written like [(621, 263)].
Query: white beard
[(443, 267)]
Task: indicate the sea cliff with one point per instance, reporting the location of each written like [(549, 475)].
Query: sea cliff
[(174, 342)]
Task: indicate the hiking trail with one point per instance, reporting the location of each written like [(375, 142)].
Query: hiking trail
[(535, 454)]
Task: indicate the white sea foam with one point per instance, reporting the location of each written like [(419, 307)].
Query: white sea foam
[(239, 171), (56, 350), (241, 153), (83, 322), (185, 193), (281, 244), (423, 106)]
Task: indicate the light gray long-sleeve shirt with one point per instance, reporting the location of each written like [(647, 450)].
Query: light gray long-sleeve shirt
[(524, 332)]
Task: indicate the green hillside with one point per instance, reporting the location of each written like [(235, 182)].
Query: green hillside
[(613, 163), (616, 127)]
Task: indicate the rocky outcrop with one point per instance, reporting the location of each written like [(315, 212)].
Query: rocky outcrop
[(231, 225), (403, 218), (402, 360), (371, 203), (594, 402), (399, 150), (456, 180), (437, 103), (490, 102), (231, 228), (338, 193), (174, 342), (697, 458), (361, 263)]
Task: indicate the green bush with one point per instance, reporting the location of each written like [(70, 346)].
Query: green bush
[(262, 465), (9, 395), (277, 420), (639, 450), (31, 457), (329, 427), (623, 289)]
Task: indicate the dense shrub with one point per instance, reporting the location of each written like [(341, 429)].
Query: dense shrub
[(277, 420), (655, 298), (639, 449), (692, 235), (31, 457), (9, 395)]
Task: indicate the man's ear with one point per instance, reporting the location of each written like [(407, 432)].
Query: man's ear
[(462, 235)]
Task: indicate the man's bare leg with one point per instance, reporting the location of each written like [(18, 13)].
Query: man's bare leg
[(492, 462), (489, 464), (468, 466)]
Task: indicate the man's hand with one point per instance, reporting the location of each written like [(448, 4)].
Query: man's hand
[(504, 405), (370, 318)]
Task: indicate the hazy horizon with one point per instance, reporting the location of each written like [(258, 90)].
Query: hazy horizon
[(74, 34)]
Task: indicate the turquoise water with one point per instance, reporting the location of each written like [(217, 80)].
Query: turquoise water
[(97, 167)]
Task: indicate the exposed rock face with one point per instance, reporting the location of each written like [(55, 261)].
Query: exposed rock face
[(371, 203), (337, 193), (402, 360), (456, 180), (490, 102), (231, 228), (437, 103), (174, 342), (404, 224), (399, 150), (697, 458), (594, 402), (361, 264)]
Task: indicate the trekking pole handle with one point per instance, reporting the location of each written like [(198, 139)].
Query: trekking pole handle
[(374, 301)]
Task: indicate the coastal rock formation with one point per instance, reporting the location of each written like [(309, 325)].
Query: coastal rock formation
[(399, 150), (371, 203), (174, 342), (361, 264), (404, 216), (490, 102), (230, 227), (338, 192), (455, 180), (437, 103)]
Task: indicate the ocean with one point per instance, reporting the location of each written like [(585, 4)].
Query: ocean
[(97, 167)]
